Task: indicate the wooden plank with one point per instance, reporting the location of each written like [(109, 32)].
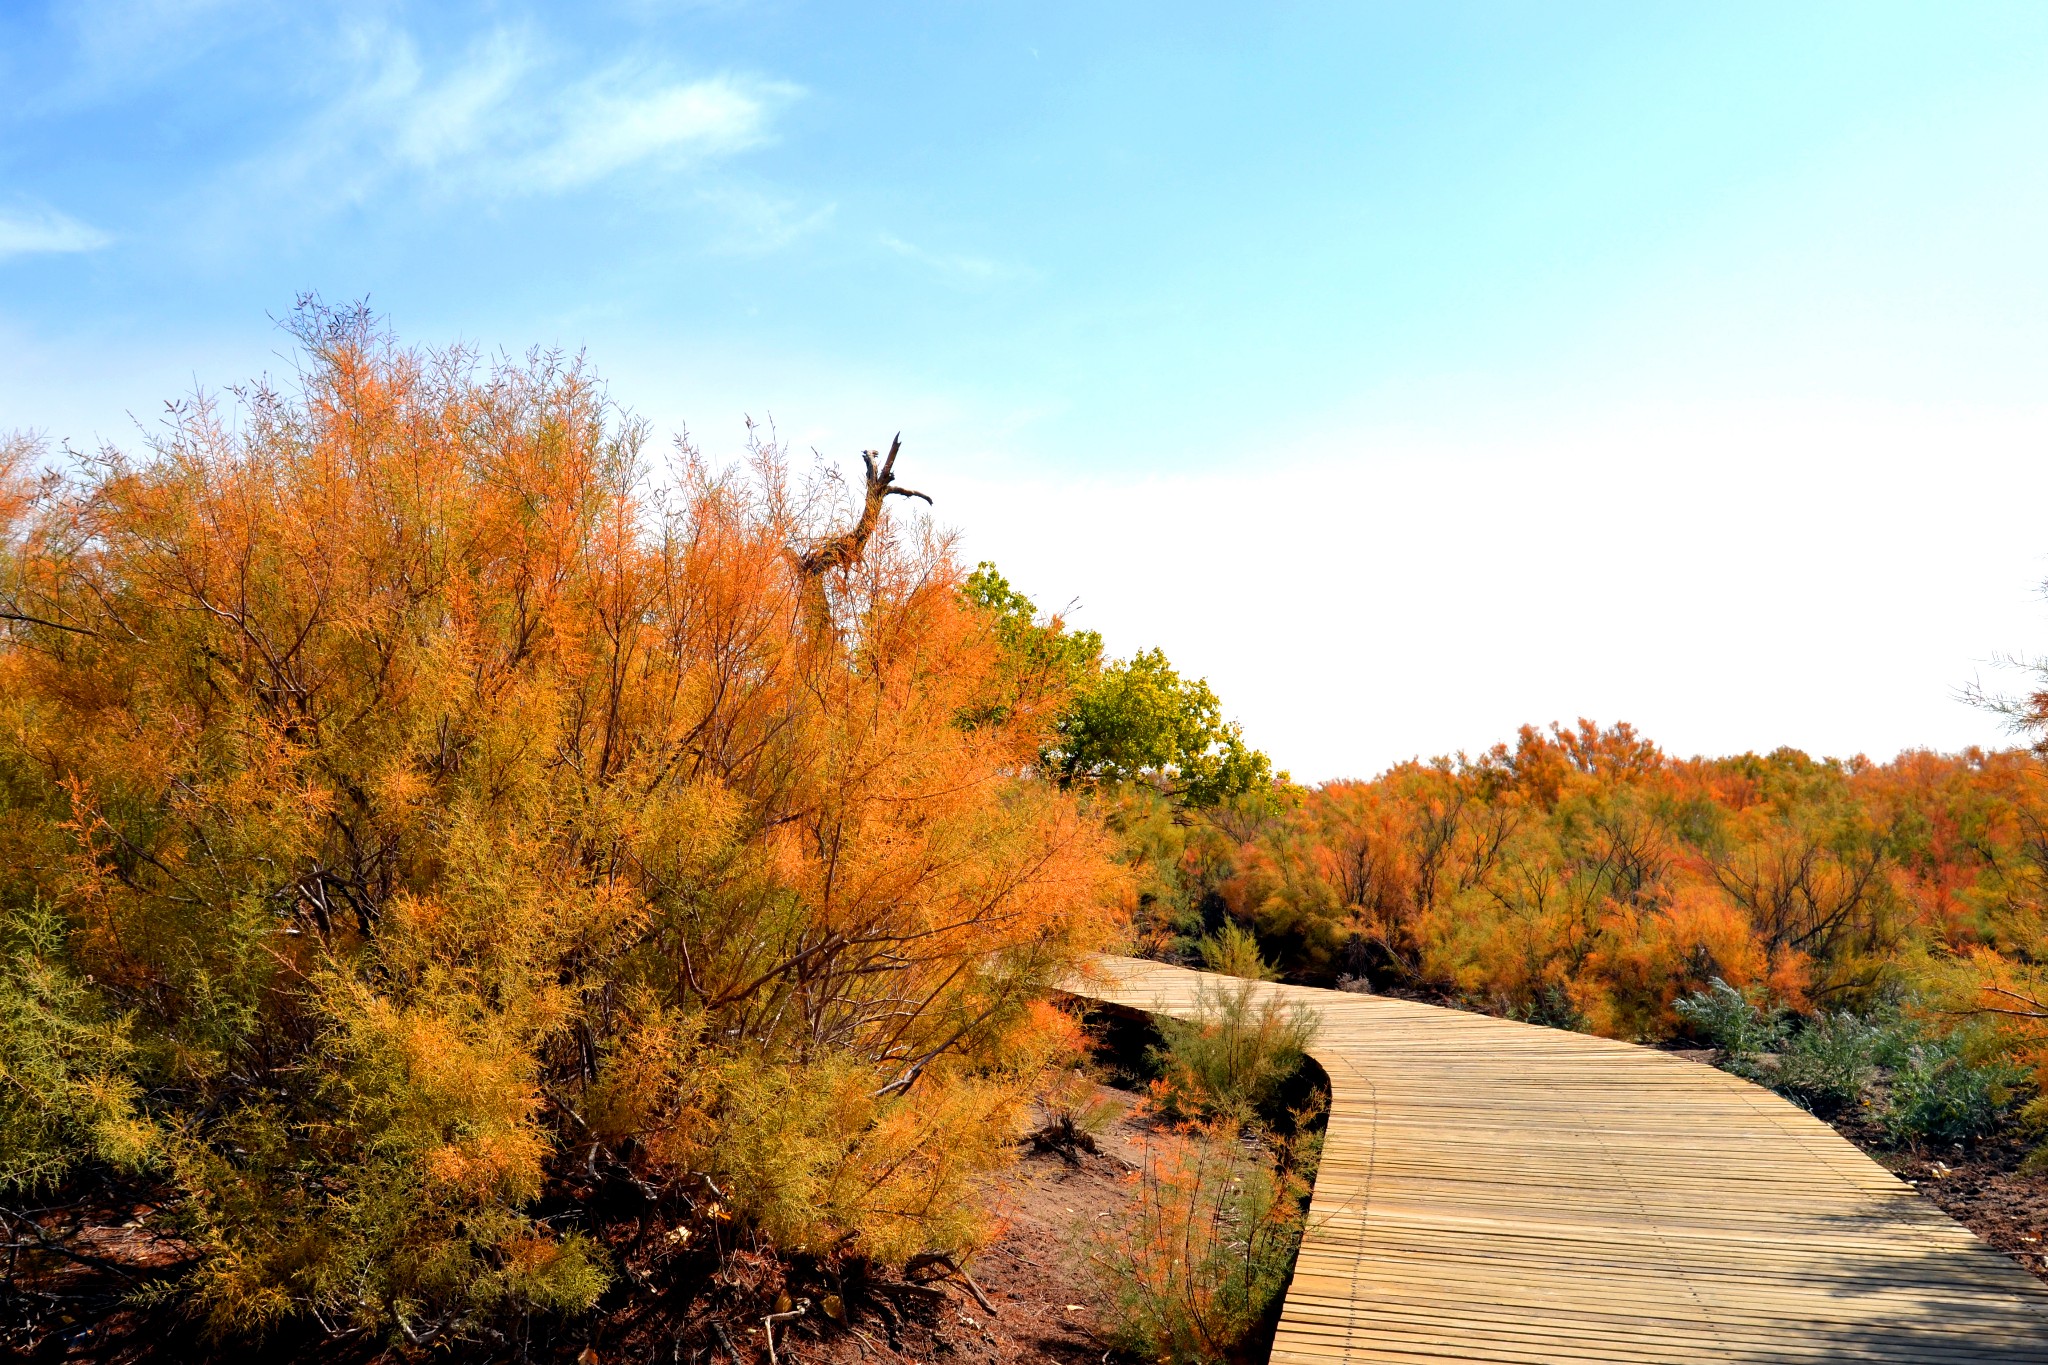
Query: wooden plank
[(1494, 1191)]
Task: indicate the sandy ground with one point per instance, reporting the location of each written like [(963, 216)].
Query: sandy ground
[(1034, 1272)]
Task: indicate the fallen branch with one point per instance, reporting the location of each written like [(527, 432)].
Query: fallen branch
[(920, 1291), (1065, 1139), (768, 1324), (927, 1260)]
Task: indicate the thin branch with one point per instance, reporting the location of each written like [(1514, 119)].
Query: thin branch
[(59, 625)]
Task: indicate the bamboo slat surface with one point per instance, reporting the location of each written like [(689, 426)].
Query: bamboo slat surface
[(1494, 1191)]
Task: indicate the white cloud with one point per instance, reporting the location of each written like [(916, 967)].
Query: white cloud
[(121, 45), (429, 124), (32, 232), (503, 121), (617, 119), (971, 269)]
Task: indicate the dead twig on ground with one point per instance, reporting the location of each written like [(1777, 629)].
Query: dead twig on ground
[(768, 1324), (939, 1259), (1065, 1139)]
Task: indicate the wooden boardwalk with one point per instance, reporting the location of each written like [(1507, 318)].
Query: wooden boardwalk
[(1494, 1191)]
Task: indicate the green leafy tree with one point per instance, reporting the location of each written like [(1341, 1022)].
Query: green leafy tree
[(1044, 663), (1142, 722), (1125, 721)]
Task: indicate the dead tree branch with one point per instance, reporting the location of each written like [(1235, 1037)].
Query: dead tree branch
[(844, 551)]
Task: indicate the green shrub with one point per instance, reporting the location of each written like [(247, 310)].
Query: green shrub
[(1740, 1030), (1189, 1273), (1233, 951), (1939, 1088), (1231, 1059), (1552, 1007), (1941, 1094), (65, 1093), (1830, 1061), (1894, 1033)]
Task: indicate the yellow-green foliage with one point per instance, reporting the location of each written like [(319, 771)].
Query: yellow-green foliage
[(1233, 951), (820, 1162), (65, 1094), (1230, 1060)]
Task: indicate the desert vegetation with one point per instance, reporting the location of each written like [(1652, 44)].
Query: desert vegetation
[(1823, 923), (463, 877), (1203, 1258), (1924, 1080), (448, 876), (1194, 1273)]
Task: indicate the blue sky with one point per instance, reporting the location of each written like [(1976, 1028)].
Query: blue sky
[(1412, 371)]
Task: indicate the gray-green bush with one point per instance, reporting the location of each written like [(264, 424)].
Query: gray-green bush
[(1740, 1029), (1830, 1061), (1552, 1007), (1940, 1093), (1936, 1087)]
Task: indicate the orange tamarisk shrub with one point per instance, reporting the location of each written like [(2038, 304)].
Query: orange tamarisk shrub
[(1582, 877), (2001, 980), (414, 821), (1206, 1249)]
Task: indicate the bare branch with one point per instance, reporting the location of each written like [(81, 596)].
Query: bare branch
[(28, 620), (844, 551)]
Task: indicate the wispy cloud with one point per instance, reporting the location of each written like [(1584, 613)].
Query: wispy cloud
[(502, 121), (967, 269), (622, 117), (757, 223), (121, 44), (34, 232)]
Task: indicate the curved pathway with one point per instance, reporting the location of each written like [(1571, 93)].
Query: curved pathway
[(1494, 1191)]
